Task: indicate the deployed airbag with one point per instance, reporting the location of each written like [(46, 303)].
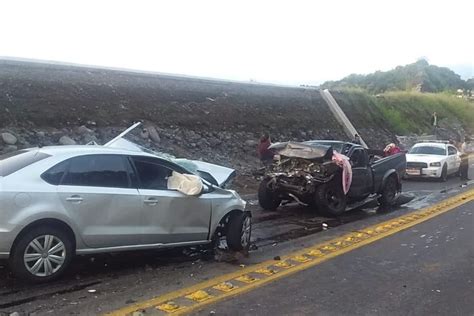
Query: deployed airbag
[(188, 184)]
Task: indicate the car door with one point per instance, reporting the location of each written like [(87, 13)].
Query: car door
[(454, 161), (169, 216), (361, 176), (96, 191)]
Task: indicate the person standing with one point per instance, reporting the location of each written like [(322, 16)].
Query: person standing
[(264, 153), (464, 167), (356, 139), (434, 120), (391, 149), (434, 124)]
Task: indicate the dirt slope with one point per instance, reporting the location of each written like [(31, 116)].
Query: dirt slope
[(214, 120)]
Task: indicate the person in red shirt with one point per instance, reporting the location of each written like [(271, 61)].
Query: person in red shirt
[(391, 149), (265, 154)]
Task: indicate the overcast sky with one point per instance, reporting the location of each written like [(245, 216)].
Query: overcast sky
[(291, 42)]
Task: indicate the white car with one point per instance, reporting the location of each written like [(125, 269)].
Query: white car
[(433, 160)]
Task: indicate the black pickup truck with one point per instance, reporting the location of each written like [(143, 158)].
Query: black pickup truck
[(305, 173)]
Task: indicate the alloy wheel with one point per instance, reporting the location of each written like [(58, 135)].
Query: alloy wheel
[(44, 255)]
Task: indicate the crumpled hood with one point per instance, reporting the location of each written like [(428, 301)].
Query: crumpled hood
[(424, 158), (304, 151), (215, 174)]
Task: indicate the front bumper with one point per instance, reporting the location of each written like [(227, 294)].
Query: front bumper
[(431, 172)]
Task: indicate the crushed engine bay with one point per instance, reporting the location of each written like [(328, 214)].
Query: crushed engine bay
[(298, 168)]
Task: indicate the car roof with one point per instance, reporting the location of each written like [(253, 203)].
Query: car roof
[(89, 149), (427, 144)]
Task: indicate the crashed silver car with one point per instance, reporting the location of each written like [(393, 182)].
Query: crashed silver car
[(56, 202)]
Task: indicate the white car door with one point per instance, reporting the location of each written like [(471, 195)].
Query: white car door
[(454, 161), (169, 216)]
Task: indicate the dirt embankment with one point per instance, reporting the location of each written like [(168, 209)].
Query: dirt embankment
[(213, 120)]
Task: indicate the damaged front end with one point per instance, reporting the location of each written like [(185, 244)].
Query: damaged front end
[(298, 170)]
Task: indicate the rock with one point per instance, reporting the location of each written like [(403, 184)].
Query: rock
[(82, 130), (251, 143), (40, 134), (90, 138), (9, 148), (9, 139), (214, 141), (144, 134), (153, 133), (202, 143), (66, 140)]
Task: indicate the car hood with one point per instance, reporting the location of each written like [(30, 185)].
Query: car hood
[(424, 158), (304, 151), (215, 174)]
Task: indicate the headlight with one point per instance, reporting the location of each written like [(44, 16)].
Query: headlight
[(435, 164)]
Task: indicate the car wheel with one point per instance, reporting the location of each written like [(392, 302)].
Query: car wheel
[(239, 233), (266, 198), (444, 174), (42, 254), (389, 192), (331, 199)]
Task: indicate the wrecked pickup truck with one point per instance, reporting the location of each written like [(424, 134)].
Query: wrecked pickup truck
[(306, 173)]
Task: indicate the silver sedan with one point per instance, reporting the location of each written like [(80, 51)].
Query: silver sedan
[(56, 202)]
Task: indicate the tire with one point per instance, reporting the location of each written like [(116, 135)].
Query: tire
[(239, 232), (331, 199), (57, 260), (266, 198), (444, 174), (389, 192)]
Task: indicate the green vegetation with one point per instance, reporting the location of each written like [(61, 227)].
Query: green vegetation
[(404, 113), (404, 99), (419, 76), (411, 111)]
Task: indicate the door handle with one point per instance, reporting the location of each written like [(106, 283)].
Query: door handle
[(151, 201), (74, 198)]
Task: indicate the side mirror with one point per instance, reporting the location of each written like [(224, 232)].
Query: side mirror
[(207, 188)]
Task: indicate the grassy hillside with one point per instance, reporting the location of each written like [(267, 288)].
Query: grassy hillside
[(419, 76), (403, 113), (411, 112)]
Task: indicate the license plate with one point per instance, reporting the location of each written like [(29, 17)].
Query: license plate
[(414, 172)]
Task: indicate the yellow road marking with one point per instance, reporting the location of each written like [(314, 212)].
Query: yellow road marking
[(199, 295), (225, 287)]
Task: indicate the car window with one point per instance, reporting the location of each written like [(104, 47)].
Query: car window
[(151, 174), (358, 159), (97, 171), (55, 174), (452, 151), (428, 150), (14, 161)]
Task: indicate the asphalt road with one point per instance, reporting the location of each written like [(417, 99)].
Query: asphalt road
[(426, 270), (94, 284)]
